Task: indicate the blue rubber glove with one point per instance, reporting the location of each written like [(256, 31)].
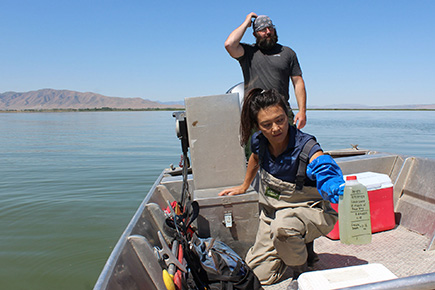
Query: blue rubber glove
[(330, 182)]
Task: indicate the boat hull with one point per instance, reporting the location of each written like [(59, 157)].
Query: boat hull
[(414, 203)]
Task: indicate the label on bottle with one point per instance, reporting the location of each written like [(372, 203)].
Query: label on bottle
[(354, 215), (360, 216)]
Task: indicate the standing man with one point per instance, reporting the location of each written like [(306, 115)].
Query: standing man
[(268, 64)]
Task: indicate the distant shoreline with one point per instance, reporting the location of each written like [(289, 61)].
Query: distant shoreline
[(181, 109), (372, 109), (88, 110)]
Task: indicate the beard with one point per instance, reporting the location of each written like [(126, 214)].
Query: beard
[(267, 42)]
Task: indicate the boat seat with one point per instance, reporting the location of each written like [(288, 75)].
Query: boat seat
[(161, 196), (145, 253), (153, 219)]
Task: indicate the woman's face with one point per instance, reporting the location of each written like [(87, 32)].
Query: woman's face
[(273, 123)]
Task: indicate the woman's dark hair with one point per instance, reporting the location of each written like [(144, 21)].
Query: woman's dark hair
[(254, 101)]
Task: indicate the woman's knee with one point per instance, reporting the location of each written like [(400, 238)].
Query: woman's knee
[(287, 227)]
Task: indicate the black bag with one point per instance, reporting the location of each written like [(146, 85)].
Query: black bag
[(215, 266)]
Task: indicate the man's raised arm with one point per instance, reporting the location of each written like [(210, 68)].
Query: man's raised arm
[(232, 44)]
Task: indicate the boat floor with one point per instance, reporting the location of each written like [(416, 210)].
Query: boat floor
[(400, 250)]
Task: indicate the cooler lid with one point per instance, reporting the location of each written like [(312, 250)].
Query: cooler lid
[(373, 180)]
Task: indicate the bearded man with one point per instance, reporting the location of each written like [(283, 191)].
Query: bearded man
[(268, 64)]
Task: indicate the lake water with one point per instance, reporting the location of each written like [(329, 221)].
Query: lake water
[(70, 182)]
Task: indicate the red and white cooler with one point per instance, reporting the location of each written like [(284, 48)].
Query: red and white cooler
[(380, 192)]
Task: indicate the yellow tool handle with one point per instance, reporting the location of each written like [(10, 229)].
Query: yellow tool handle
[(168, 280)]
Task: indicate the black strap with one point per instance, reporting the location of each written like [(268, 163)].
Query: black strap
[(193, 211), (261, 152), (303, 162)]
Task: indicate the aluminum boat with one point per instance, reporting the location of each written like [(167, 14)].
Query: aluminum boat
[(209, 129)]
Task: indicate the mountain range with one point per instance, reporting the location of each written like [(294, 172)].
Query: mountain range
[(47, 99)]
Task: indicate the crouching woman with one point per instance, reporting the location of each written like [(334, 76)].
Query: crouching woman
[(290, 218)]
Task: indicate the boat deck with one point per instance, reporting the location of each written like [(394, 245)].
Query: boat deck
[(402, 251)]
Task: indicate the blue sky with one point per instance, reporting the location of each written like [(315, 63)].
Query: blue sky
[(359, 52)]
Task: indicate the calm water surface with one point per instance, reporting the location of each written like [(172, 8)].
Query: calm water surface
[(70, 182)]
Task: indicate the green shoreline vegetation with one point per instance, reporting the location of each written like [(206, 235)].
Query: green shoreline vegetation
[(107, 109)]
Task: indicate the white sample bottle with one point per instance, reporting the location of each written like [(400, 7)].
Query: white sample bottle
[(354, 213)]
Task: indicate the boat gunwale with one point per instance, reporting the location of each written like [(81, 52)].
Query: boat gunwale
[(422, 282)]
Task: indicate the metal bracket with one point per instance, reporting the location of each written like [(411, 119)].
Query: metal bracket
[(228, 219)]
